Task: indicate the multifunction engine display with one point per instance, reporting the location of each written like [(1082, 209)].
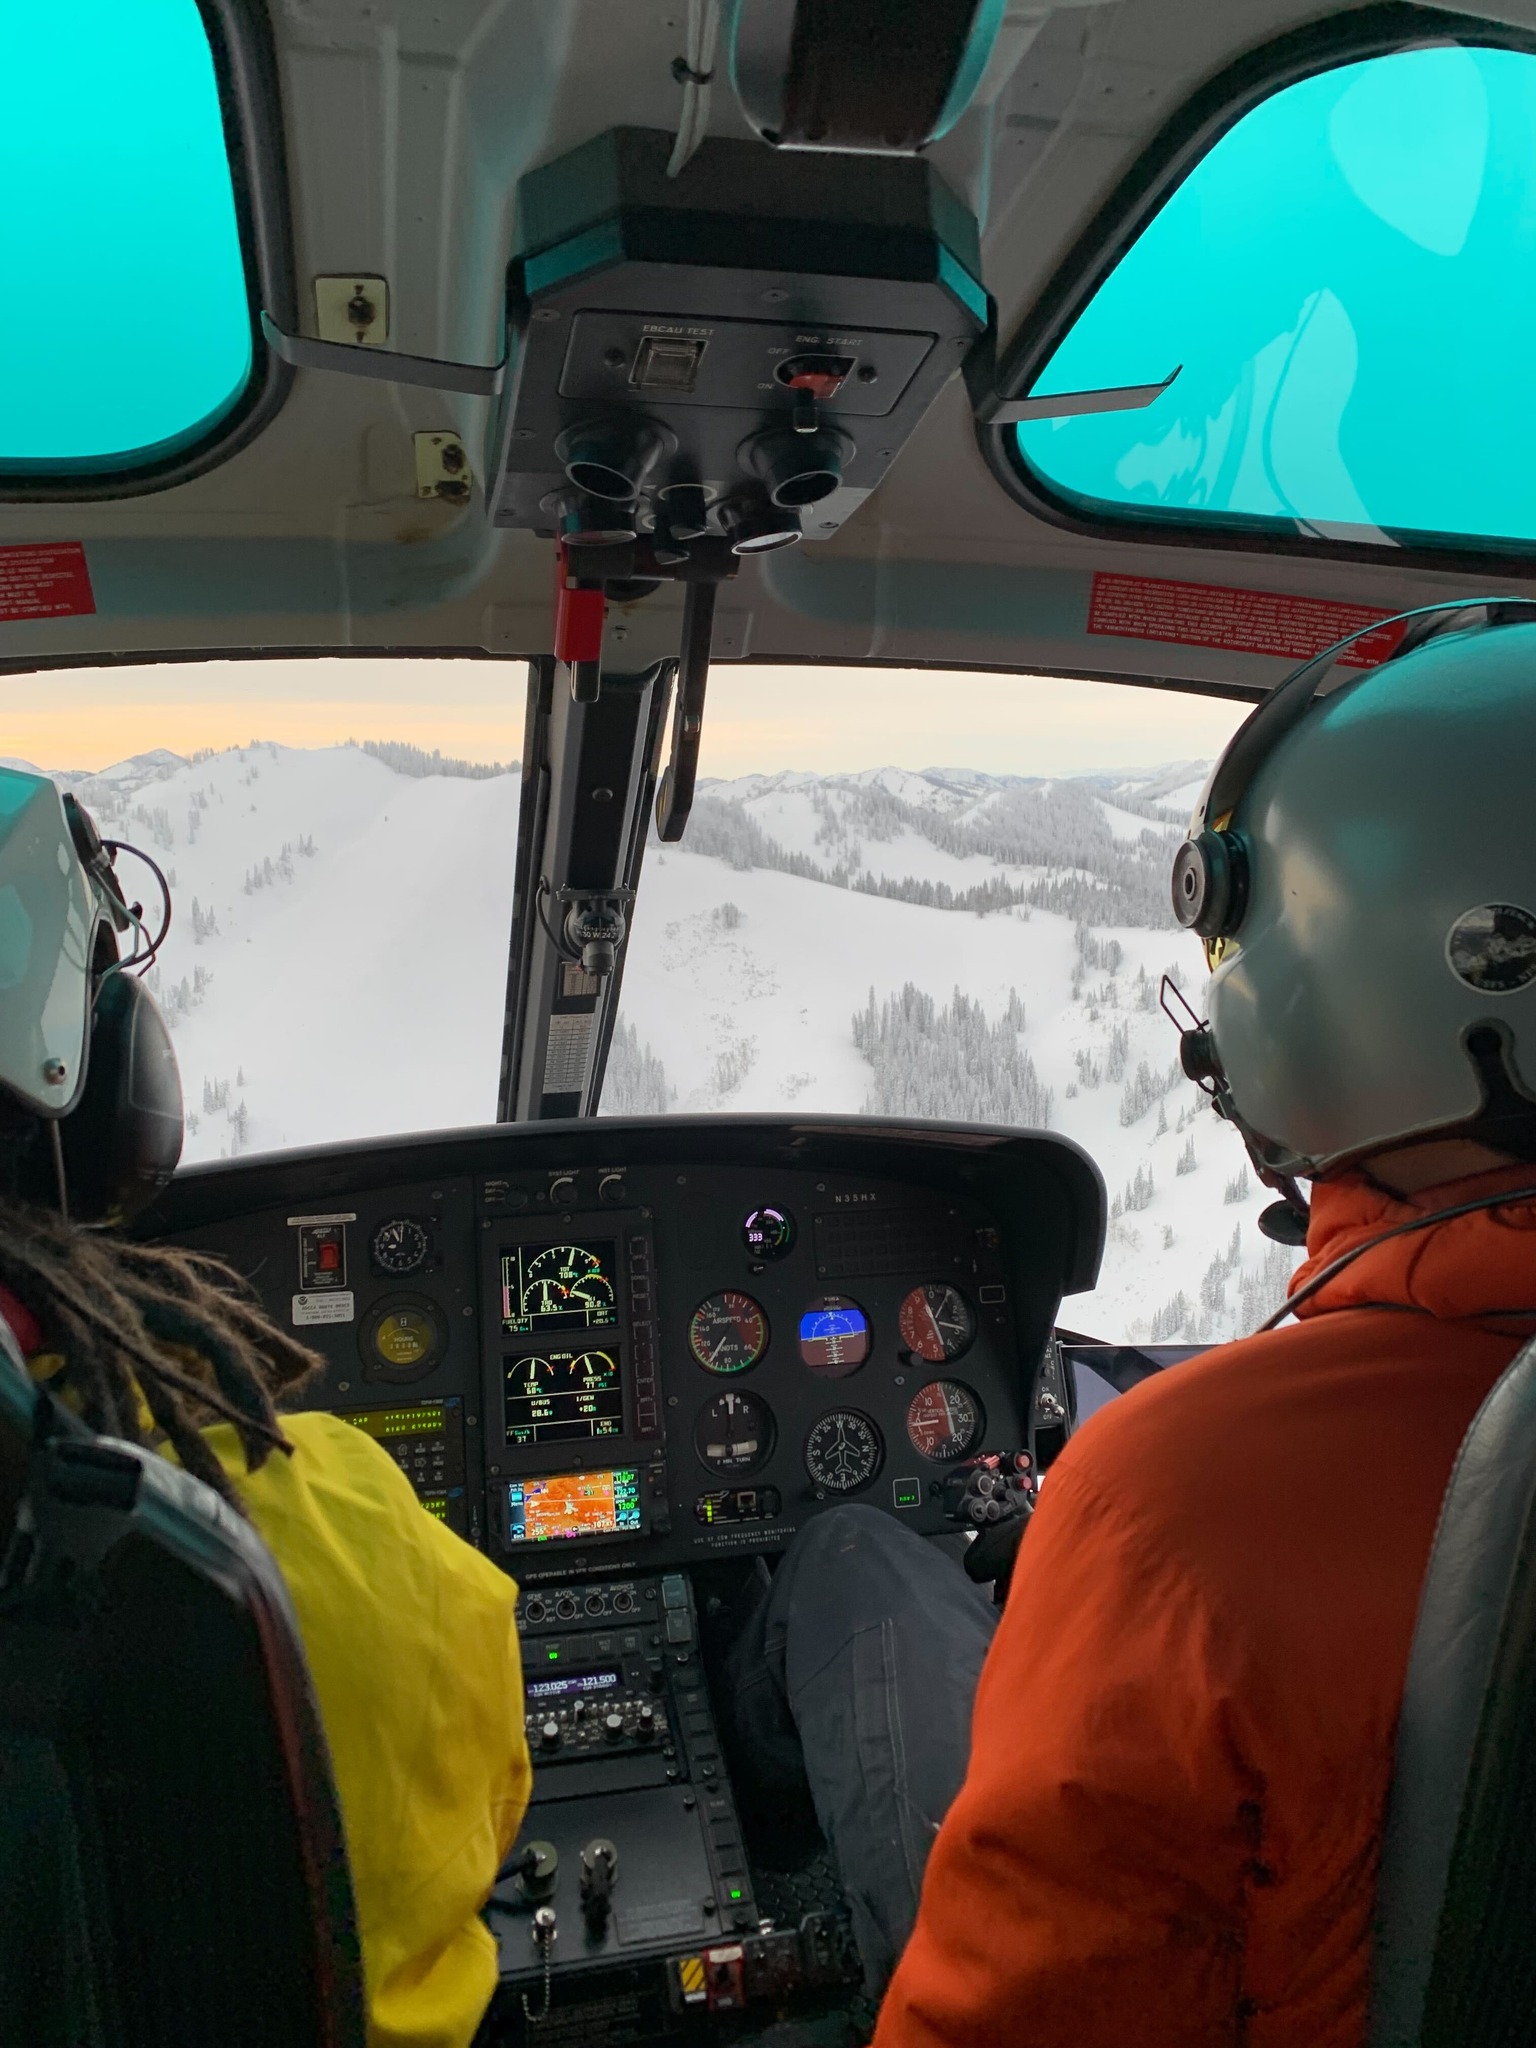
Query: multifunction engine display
[(557, 1394), (559, 1287), (574, 1504)]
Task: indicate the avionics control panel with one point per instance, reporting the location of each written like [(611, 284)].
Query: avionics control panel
[(707, 1366), (602, 1348), (426, 1440)]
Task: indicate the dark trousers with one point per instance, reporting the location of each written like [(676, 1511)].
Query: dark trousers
[(852, 1681)]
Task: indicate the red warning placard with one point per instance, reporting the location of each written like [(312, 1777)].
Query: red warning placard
[(50, 581), (1243, 621)]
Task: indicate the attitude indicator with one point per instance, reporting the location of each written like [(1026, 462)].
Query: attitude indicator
[(834, 1336)]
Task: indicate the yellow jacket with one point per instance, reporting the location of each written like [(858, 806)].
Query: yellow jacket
[(412, 1646), (413, 1652)]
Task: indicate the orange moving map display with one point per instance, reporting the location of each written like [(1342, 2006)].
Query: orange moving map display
[(574, 1504)]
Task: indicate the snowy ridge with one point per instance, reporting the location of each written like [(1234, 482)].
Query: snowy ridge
[(937, 942)]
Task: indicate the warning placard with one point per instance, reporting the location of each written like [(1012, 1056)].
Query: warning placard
[(48, 581), (1242, 621)]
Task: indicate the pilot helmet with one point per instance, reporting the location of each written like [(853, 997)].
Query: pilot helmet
[(88, 1077), (1362, 869)]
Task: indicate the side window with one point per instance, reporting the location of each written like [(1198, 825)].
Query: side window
[(126, 332), (1348, 279)]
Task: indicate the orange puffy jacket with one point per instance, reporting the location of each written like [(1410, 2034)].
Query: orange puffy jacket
[(1183, 1734)]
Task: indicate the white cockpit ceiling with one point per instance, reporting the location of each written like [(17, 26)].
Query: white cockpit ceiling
[(406, 125)]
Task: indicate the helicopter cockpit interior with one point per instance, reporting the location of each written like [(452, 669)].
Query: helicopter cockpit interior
[(649, 348)]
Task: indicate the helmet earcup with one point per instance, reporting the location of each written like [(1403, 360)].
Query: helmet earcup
[(1210, 883), (123, 1139)]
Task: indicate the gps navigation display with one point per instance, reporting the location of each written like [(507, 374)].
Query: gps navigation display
[(563, 1504), (558, 1393), (559, 1287)]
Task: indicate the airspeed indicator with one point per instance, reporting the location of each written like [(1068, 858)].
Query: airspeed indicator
[(728, 1332)]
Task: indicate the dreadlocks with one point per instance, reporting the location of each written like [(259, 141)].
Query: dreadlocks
[(182, 1330)]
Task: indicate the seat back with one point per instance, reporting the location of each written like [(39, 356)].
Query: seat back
[(172, 1867), (1455, 1954)]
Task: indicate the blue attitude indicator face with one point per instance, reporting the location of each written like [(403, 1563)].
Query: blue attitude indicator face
[(834, 1336)]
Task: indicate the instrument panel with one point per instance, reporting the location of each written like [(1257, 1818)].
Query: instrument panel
[(603, 1346)]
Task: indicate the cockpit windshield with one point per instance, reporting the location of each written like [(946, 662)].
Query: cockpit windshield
[(338, 838), (899, 892), (915, 894)]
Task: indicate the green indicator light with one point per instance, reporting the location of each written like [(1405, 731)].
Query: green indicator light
[(553, 1656), (735, 1892)]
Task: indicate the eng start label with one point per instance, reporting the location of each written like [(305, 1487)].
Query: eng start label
[(1237, 621), (323, 1308), (46, 581)]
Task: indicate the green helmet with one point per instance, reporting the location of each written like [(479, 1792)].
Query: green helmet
[(1363, 870)]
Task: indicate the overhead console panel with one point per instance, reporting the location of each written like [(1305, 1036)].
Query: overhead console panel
[(738, 351)]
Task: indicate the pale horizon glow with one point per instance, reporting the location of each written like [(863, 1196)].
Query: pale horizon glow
[(758, 719)]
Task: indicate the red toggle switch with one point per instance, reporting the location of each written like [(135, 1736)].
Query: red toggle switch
[(822, 384), (329, 1260), (578, 614)]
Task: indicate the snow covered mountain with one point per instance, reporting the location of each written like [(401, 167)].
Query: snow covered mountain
[(945, 943)]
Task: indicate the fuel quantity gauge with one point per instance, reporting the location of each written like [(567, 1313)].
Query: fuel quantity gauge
[(728, 1332)]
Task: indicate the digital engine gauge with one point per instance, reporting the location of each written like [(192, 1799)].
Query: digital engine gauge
[(944, 1421), (843, 1451), (728, 1332), (734, 1434), (769, 1233), (936, 1323), (400, 1245)]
